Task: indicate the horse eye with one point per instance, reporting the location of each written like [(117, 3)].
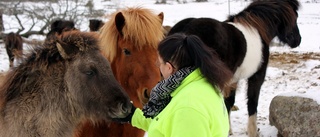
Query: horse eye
[(126, 52), (90, 73)]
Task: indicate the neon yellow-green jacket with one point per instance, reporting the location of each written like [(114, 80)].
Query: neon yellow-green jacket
[(196, 110)]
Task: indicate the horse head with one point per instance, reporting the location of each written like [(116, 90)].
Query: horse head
[(272, 19), (134, 35), (58, 86), (101, 91)]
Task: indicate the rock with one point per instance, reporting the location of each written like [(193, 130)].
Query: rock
[(295, 116)]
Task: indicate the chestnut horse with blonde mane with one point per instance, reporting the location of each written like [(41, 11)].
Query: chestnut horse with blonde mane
[(129, 41)]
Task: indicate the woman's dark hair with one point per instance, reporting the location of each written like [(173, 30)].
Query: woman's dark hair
[(183, 50)]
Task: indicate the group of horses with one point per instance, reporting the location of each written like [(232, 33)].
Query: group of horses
[(78, 81), (14, 42)]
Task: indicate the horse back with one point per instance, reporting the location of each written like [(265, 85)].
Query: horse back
[(225, 39)]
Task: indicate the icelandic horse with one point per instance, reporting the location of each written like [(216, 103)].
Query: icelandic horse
[(242, 42), (129, 40), (57, 86)]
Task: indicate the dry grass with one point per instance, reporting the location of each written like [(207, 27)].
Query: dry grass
[(281, 60)]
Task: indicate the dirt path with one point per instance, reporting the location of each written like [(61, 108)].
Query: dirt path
[(287, 60)]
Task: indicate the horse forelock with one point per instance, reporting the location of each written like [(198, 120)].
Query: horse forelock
[(267, 16), (142, 28)]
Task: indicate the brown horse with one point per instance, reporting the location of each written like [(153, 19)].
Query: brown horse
[(13, 44), (129, 40), (58, 86)]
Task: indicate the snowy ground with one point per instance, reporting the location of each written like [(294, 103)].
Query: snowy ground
[(290, 70)]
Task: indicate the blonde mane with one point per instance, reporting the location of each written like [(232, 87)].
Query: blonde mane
[(142, 28)]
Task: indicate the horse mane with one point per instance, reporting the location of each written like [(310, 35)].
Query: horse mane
[(43, 63), (142, 27), (261, 14)]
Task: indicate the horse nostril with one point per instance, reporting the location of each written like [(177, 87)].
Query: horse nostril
[(126, 108), (146, 94)]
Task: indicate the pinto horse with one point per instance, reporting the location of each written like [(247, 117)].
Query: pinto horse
[(58, 86), (129, 41), (14, 47), (242, 42)]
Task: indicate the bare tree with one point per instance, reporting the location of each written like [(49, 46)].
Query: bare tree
[(1, 22), (1, 25), (34, 18)]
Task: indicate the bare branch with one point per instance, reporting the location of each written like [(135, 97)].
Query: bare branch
[(19, 21), (36, 18)]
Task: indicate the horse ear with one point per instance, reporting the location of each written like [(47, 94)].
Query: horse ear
[(161, 16), (55, 25), (64, 50), (120, 21)]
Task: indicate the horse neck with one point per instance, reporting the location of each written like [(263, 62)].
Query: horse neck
[(38, 118), (28, 114)]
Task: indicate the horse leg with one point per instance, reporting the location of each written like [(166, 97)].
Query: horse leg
[(229, 101), (254, 85), (11, 60), (11, 57)]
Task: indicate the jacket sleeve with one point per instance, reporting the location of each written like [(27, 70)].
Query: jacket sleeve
[(188, 122), (139, 121)]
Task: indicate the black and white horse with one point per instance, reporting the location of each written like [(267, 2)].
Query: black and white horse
[(242, 41)]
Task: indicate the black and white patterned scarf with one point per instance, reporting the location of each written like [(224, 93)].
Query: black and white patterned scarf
[(160, 94)]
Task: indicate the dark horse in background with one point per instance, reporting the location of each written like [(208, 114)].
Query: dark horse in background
[(242, 41), (95, 24), (58, 86), (57, 27), (14, 47)]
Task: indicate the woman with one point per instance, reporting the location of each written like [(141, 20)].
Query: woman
[(188, 102)]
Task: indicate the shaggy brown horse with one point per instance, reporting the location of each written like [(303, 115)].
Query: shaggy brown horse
[(58, 86), (14, 47), (129, 40)]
